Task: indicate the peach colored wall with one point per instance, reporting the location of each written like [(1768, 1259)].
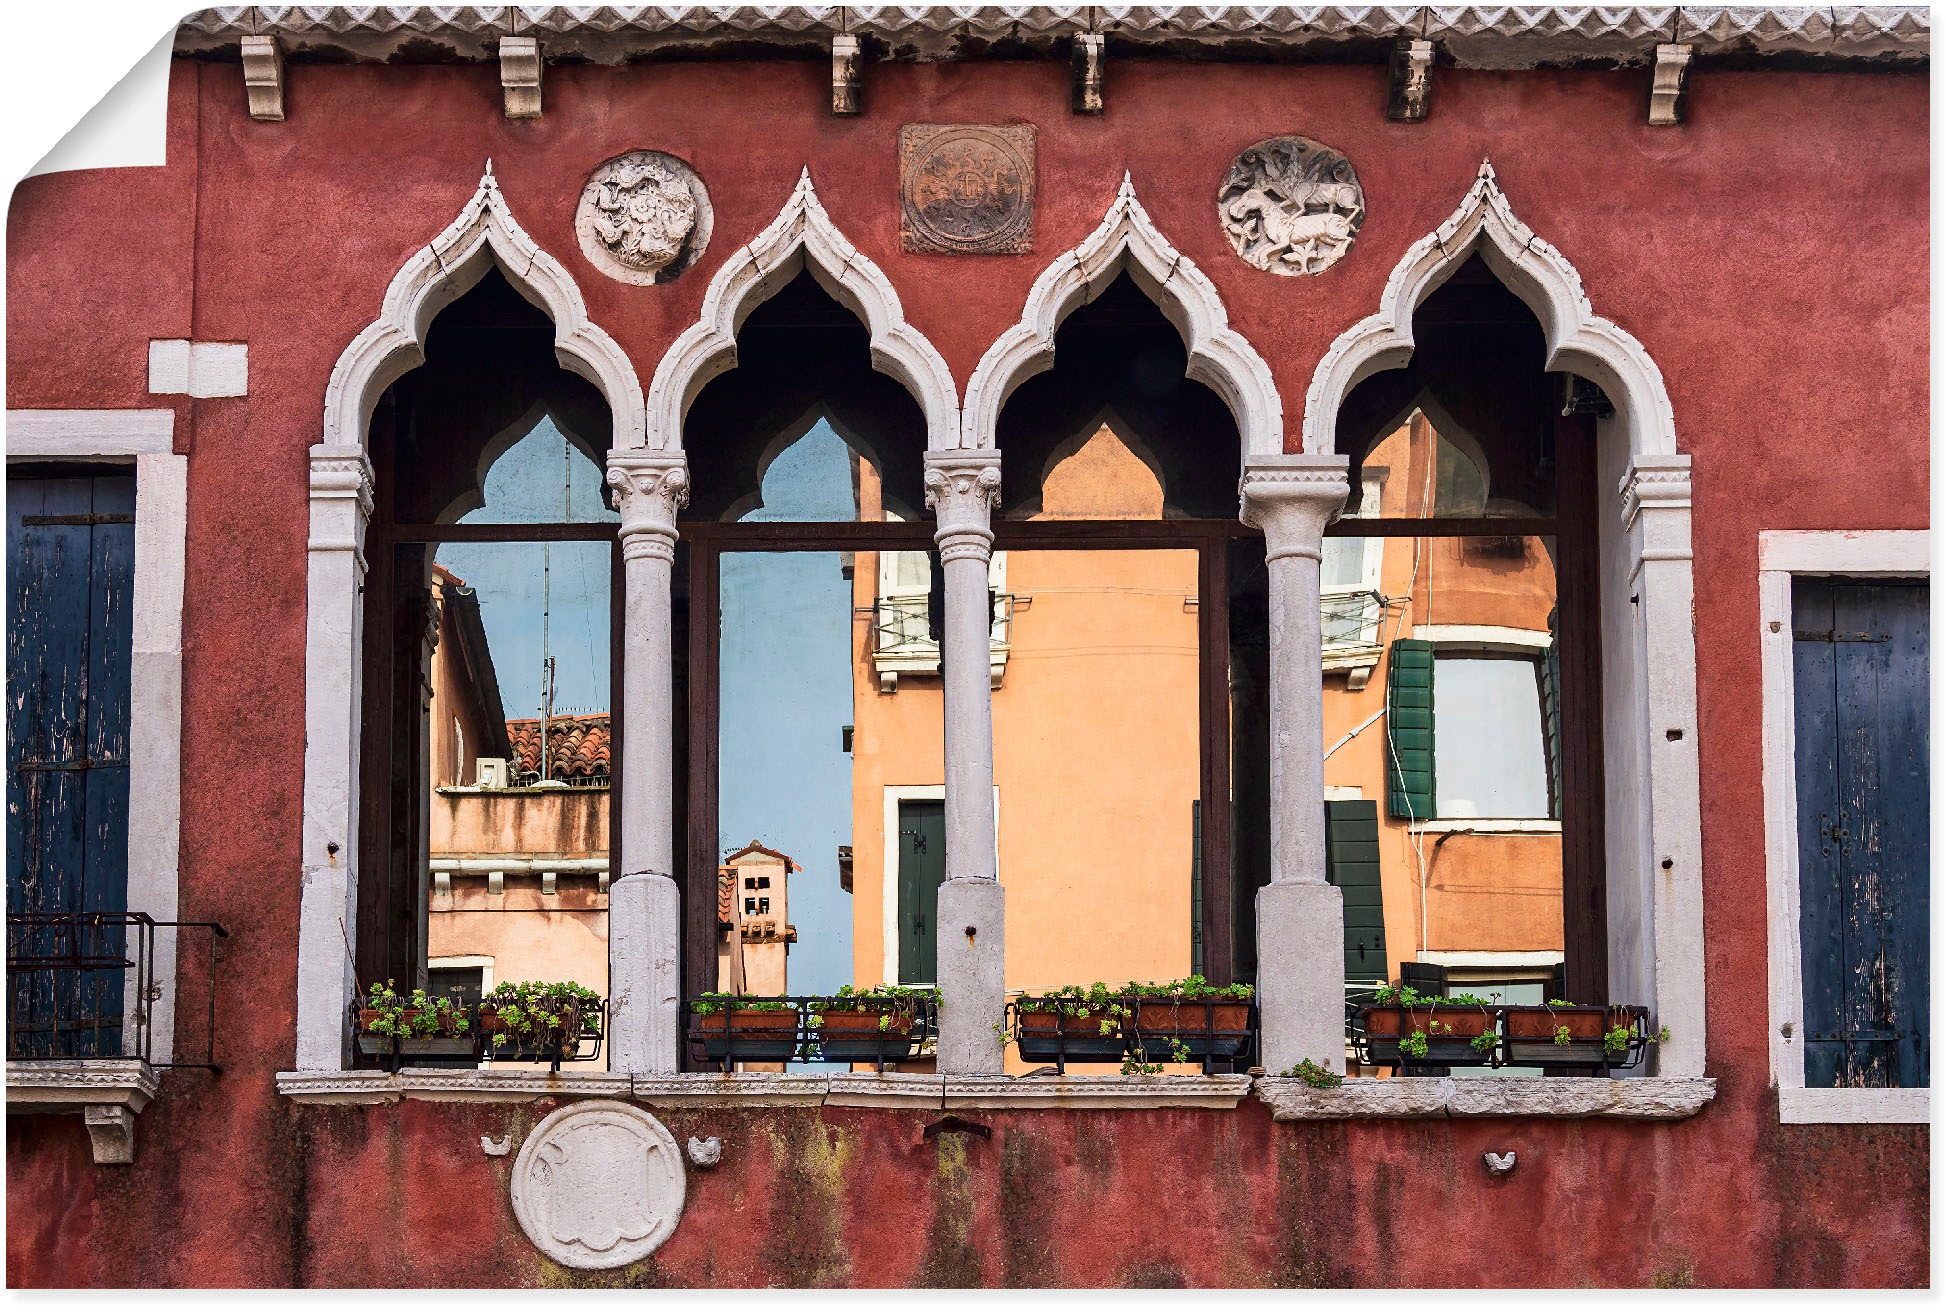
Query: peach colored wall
[(529, 936), (1499, 892), (527, 821)]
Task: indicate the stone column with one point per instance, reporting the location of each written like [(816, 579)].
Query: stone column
[(644, 900), (1300, 917), (341, 505), (962, 488)]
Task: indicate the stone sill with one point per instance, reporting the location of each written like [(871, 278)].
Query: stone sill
[(1513, 1095), (106, 1092), (837, 1089), (1288, 1099)]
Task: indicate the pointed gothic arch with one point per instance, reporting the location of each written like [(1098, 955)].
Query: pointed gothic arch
[(1127, 240), (443, 270), (801, 237), (1578, 339)]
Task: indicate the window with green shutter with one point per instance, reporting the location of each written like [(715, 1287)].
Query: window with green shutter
[(1409, 731), (1351, 862)]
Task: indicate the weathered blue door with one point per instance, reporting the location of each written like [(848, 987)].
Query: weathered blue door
[(1860, 656), (70, 581)]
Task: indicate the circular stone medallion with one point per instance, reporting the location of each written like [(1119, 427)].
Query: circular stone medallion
[(1291, 206), (644, 217), (967, 189), (598, 1185)]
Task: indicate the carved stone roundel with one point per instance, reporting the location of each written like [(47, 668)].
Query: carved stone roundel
[(1291, 206), (968, 188), (598, 1185), (644, 217)]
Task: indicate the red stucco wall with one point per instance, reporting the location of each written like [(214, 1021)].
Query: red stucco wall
[(1770, 254)]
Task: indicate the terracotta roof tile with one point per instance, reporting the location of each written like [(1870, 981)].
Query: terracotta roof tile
[(576, 744)]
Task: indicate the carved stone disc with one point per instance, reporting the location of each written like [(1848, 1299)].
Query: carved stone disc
[(644, 217), (1291, 206), (967, 189), (598, 1185)]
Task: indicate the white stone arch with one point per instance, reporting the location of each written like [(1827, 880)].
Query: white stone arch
[(442, 271), (1578, 339), (802, 236), (1127, 240)]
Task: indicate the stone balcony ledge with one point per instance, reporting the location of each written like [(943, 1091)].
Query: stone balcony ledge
[(106, 1092), (1493, 1095)]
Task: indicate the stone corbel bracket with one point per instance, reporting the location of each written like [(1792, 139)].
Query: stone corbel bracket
[(1669, 83), (1090, 54), (1411, 94), (846, 58), (106, 1092), (263, 77), (520, 76)]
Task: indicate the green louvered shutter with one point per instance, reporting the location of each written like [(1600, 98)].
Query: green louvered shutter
[(1351, 862), (1409, 761), (1551, 724)]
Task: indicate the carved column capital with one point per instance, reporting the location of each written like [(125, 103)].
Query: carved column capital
[(962, 488), (649, 490), (1292, 498), (1654, 483), (341, 499)]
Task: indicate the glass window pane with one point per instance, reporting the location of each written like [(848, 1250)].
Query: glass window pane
[(1491, 756)]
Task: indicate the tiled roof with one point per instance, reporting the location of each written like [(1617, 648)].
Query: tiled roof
[(577, 745), (790, 866)]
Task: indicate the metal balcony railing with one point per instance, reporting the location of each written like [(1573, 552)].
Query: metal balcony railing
[(81, 985)]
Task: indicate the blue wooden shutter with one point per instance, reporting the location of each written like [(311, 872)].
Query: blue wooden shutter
[(1409, 731), (71, 570), (1860, 658)]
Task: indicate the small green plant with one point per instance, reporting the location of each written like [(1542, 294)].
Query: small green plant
[(1414, 1045), (1563, 1035), (711, 1004), (1192, 988), (542, 1015), (1314, 1075), (418, 1015), (1109, 1006), (1484, 1041), (888, 1000), (1615, 1041)]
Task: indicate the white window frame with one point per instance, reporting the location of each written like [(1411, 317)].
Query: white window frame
[(483, 964), (920, 655), (1782, 557), (1361, 657), (145, 441), (1461, 641)]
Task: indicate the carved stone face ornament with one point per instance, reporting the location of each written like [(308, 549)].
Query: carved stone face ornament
[(1291, 206), (643, 217)]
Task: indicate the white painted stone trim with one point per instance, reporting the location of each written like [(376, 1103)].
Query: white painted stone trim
[(1577, 338), (1460, 638), (484, 234), (89, 434), (1096, 1092), (1484, 825), (1127, 240), (1511, 1095), (483, 964), (801, 237), (1781, 556), (1482, 959), (178, 367), (155, 674)]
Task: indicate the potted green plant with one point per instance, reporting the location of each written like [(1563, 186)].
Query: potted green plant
[(535, 1021), (873, 1024), (1072, 1024), (1562, 1033), (1406, 1027), (414, 1025), (749, 1029), (1191, 1017)]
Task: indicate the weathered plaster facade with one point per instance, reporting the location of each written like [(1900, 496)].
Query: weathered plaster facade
[(1716, 276)]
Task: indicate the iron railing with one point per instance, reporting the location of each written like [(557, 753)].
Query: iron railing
[(1474, 1035), (811, 1028), (69, 980), (476, 1045)]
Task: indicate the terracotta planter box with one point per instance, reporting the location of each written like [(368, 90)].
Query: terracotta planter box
[(1202, 1029), (1054, 1036), (1531, 1035), (528, 1048), (1449, 1032), (747, 1035), (425, 1045), (859, 1036)]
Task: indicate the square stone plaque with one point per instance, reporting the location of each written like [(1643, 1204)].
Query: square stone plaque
[(967, 189)]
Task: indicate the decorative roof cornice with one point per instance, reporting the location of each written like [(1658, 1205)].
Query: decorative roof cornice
[(1472, 36)]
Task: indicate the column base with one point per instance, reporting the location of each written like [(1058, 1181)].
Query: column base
[(644, 1008), (972, 982), (1301, 975)]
